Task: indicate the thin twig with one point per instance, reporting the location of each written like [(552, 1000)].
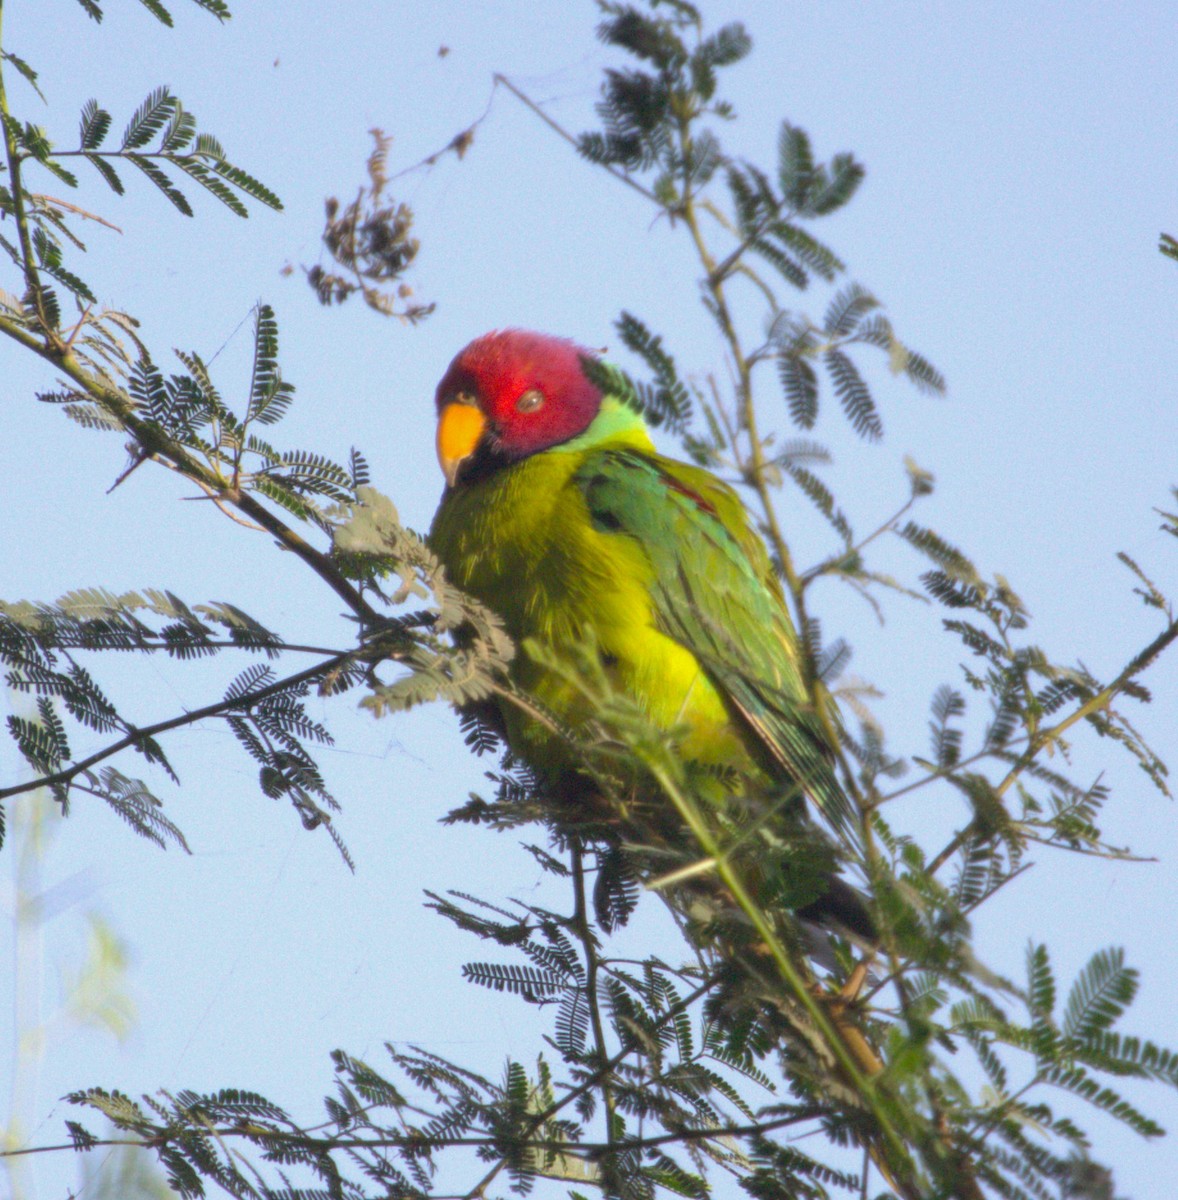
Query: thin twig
[(623, 176), (1138, 663), (85, 214)]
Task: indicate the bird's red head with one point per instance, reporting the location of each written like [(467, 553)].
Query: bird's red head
[(509, 394)]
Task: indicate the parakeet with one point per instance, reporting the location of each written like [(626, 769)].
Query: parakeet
[(560, 516)]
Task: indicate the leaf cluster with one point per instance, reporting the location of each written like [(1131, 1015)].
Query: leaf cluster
[(455, 651), (160, 134), (659, 123), (183, 418), (1027, 693), (43, 646), (458, 653), (674, 1088)]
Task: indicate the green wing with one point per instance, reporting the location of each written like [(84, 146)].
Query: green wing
[(714, 592)]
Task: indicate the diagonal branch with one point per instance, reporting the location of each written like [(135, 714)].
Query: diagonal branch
[(1138, 663), (528, 102), (155, 443), (136, 737)]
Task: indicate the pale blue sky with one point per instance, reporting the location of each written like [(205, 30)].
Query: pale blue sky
[(1020, 167)]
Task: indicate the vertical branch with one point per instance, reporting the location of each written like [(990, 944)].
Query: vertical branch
[(592, 970), (753, 468), (12, 156), (714, 277), (857, 1062)]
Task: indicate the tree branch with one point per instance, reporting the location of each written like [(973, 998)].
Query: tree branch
[(219, 708)]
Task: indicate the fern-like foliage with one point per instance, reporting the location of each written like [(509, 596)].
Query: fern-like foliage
[(669, 1063), (162, 131), (186, 411), (459, 652), (1027, 692), (659, 126), (160, 141), (397, 1121), (455, 651), (43, 647), (666, 401)]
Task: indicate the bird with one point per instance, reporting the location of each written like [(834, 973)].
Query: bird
[(560, 516)]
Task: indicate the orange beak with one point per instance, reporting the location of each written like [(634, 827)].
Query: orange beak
[(460, 428)]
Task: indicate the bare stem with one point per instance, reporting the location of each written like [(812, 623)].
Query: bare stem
[(560, 130)]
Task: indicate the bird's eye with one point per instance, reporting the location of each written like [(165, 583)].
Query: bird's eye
[(530, 401), (465, 398)]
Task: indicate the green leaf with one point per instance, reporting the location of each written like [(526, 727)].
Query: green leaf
[(1110, 1051), (916, 368), (532, 984), (837, 186), (78, 286), (946, 741), (942, 552), (1101, 993), (180, 131), (158, 11), (218, 8), (729, 44), (1079, 1083), (668, 401), (94, 125), (198, 171), (666, 1173), (107, 172), (847, 309), (207, 146), (800, 385), (269, 396), (854, 395), (24, 68), (247, 183), (135, 804), (816, 255), (785, 265), (43, 746), (658, 404), (162, 182), (822, 498), (149, 118), (795, 165), (1040, 983)]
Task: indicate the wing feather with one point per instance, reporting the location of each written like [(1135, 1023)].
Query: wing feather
[(714, 593)]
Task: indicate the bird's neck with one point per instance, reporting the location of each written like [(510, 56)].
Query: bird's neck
[(616, 424)]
